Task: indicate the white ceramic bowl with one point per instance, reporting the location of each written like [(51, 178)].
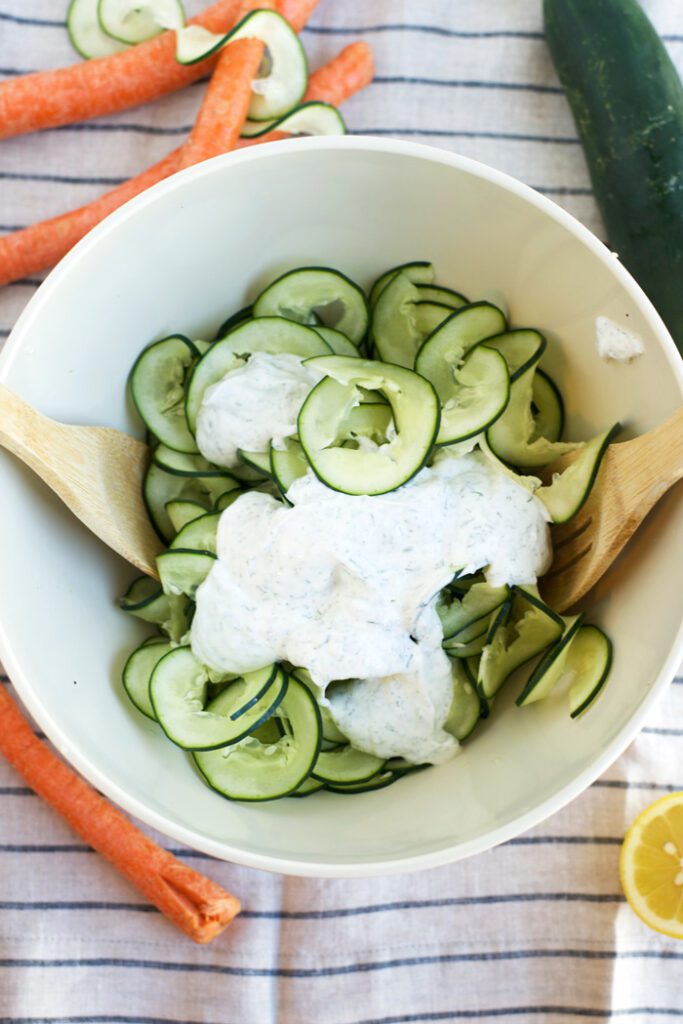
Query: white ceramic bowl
[(180, 258)]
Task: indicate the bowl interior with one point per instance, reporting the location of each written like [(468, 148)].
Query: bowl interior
[(180, 259)]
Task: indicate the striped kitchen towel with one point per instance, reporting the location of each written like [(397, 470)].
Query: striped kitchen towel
[(535, 930)]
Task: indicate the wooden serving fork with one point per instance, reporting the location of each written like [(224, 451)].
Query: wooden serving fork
[(633, 476), (96, 471)]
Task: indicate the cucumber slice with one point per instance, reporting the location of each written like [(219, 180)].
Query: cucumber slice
[(170, 612), (183, 571), (532, 629), (183, 512), (444, 296), (395, 333), (85, 31), (271, 334), (547, 408), (590, 660), (307, 787), (142, 590), (372, 420), (331, 734), (193, 466), (134, 21), (346, 766), (198, 535), (338, 342), (260, 461), (445, 347), (332, 296), (284, 81), (313, 118), (137, 673), (569, 490), (552, 667), (465, 710), (255, 771), (459, 647), (240, 317), (161, 487), (479, 602), (510, 437), (415, 409), (520, 347), (379, 781), (288, 464), (418, 272), (178, 693), (227, 499), (475, 396), (157, 388), (430, 315)]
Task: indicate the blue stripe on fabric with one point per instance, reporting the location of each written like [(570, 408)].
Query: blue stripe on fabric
[(42, 905), (47, 848), (410, 1018), (570, 840), (437, 30), (142, 129), (19, 19), (439, 133), (357, 30), (99, 1018), (59, 179), (367, 967), (466, 83), (429, 132), (322, 915), (16, 791), (623, 784), (519, 1011), (660, 731)]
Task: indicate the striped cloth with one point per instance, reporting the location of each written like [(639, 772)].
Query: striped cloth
[(535, 930)]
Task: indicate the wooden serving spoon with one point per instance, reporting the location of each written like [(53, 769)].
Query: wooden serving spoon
[(633, 476), (96, 471)]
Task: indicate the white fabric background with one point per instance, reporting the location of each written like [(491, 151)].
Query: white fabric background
[(535, 930)]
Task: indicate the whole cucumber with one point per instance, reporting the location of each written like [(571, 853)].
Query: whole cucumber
[(627, 101)]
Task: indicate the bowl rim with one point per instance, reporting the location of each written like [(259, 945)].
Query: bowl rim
[(445, 854)]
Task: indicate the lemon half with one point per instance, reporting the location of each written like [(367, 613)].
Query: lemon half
[(651, 865)]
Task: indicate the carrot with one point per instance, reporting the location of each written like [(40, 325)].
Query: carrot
[(226, 103), (35, 248), (92, 88), (197, 905), (41, 245), (347, 73)]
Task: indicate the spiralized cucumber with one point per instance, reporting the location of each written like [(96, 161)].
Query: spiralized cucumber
[(365, 428)]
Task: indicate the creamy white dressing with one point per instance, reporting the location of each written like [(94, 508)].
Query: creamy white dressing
[(346, 586), (253, 405), (615, 342)]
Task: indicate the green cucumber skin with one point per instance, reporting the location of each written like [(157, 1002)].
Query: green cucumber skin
[(627, 101)]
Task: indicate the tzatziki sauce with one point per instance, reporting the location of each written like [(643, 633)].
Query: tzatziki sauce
[(253, 405), (346, 586)]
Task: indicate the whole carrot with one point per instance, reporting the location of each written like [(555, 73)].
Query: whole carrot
[(226, 103), (92, 88), (42, 245), (196, 904)]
